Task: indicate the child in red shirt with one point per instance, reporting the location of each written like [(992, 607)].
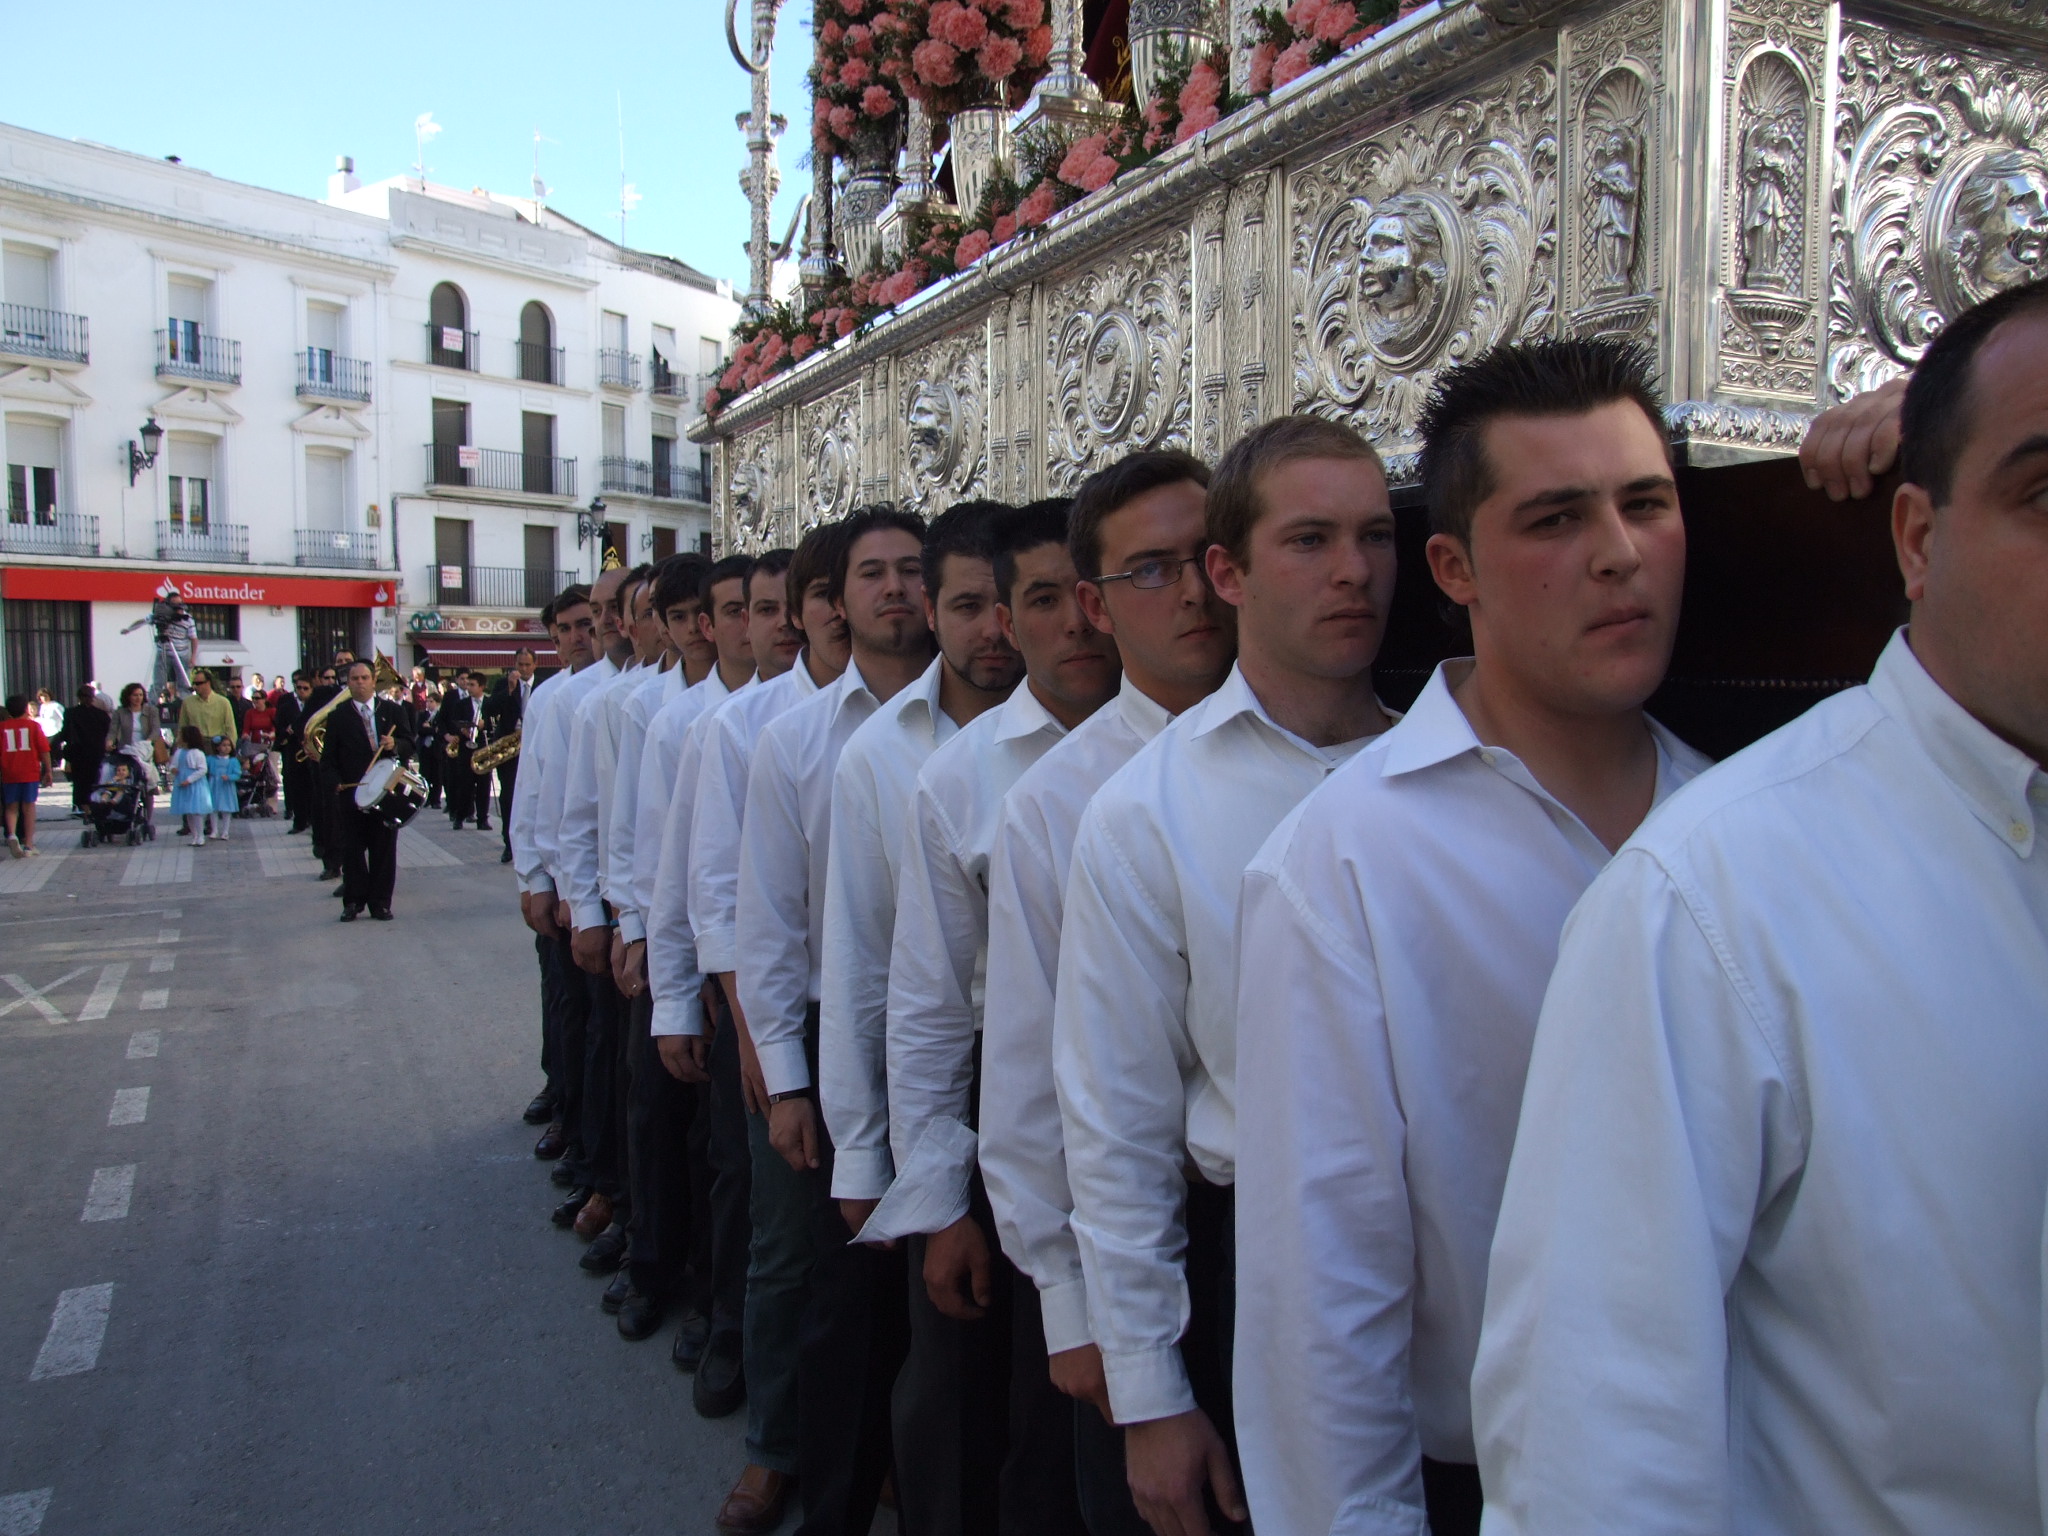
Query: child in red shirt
[(24, 770)]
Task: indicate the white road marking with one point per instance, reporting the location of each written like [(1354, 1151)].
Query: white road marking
[(20, 876), (166, 936), (104, 992), (112, 1189), (173, 912), (158, 964), (144, 1043), (158, 866), (77, 1329), (418, 851), (156, 997), (21, 1514), (131, 1106), (34, 997)]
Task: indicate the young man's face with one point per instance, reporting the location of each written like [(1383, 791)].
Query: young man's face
[(772, 634), (327, 676), (204, 686), (1181, 634), (235, 687), (1071, 663), (526, 662), (883, 600), (961, 607), (679, 628), (1313, 597), (1576, 560), (362, 683), (475, 685), (650, 633), (723, 625), (576, 634), (824, 627), (604, 605)]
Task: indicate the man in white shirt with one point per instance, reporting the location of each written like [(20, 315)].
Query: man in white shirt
[(1137, 534), (504, 712), (1769, 1255), (1302, 546), (803, 643), (842, 1303), (1398, 929), (994, 1454), (573, 624)]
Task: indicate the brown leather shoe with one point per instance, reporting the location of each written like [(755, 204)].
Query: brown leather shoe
[(595, 1216), (757, 1503)]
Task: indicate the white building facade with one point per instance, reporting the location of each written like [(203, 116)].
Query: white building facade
[(242, 392)]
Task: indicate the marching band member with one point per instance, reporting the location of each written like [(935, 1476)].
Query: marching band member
[(359, 732), (1302, 545)]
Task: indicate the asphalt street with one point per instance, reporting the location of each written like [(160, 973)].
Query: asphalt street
[(278, 1256)]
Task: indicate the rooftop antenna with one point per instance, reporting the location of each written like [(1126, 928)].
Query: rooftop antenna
[(629, 196), (423, 128)]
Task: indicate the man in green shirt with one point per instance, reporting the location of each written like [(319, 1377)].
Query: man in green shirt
[(206, 709)]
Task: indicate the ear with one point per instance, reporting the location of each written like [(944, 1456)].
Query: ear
[(1004, 618), (1913, 537), (1226, 576), (1093, 608), (1450, 562)]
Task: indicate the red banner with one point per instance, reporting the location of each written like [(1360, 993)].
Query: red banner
[(75, 585)]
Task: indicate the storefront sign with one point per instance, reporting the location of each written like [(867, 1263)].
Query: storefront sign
[(431, 622), (59, 583)]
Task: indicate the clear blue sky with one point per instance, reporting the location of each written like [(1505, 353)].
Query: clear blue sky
[(270, 93)]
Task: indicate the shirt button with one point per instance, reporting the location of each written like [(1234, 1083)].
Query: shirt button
[(1488, 758)]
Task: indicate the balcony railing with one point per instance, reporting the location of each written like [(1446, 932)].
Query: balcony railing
[(448, 347), (494, 586), (49, 533), (638, 477), (42, 333), (677, 482), (324, 376), (337, 549), (498, 469), (217, 541), (538, 362), (618, 370), (182, 353)]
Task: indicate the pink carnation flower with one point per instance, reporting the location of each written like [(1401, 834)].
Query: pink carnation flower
[(844, 121), (732, 378), (854, 7), (999, 56), (877, 101), (1195, 122), (1005, 229), (1024, 14), (855, 73), (830, 33), (936, 63), (953, 23), (859, 39), (1259, 79), (773, 348), (803, 346), (1338, 18), (1099, 174), (1295, 60), (1303, 15), (1204, 89), (973, 246), (1038, 45), (1041, 205)]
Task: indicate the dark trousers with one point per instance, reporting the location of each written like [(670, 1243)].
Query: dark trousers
[(1039, 1494), (508, 774), (1451, 1493), (85, 778), (567, 1001), (731, 1172), (468, 796), (323, 813), (659, 1114), (292, 786), (369, 856), (432, 763), (1205, 1350), (548, 990), (604, 1084)]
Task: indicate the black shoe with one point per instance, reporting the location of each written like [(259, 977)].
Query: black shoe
[(688, 1351), (483, 826), (329, 872), (564, 1215), (336, 893), (616, 1293), (563, 1175), (349, 913), (552, 1144), (382, 914), (606, 1253), (721, 1384), (540, 1109), (640, 1315), (505, 857), (454, 826)]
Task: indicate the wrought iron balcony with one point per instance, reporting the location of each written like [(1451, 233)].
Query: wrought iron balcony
[(667, 382), (49, 533), (494, 586), (43, 334), (185, 353), (462, 354), (539, 363), (337, 549), (325, 376), (618, 370), (499, 469), (639, 477), (676, 482), (216, 541)]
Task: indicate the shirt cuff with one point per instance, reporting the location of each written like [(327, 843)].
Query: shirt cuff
[(1148, 1384), (538, 884), (715, 950), (783, 1066), (631, 928), (1063, 1309), (683, 1016), (861, 1173), (588, 913)]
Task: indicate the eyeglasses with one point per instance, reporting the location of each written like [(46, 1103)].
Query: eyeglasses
[(1151, 575)]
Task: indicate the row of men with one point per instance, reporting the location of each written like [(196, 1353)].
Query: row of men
[(1307, 1094)]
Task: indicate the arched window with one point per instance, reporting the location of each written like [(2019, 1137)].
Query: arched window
[(539, 361), (449, 343)]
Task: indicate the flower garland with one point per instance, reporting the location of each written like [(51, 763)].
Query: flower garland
[(1307, 34), (856, 69), (970, 53)]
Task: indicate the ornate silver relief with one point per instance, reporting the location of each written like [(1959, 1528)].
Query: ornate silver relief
[(1423, 246), (1613, 172), (829, 450), (750, 492), (941, 394), (1117, 361), (1941, 195)]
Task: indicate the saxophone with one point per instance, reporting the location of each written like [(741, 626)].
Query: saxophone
[(486, 759)]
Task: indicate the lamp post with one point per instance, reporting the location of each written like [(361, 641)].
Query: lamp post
[(144, 457), (590, 525)]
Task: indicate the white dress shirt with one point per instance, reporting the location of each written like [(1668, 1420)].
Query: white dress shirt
[(622, 813), (940, 954), (1769, 1256), (1397, 932), (870, 797), (586, 796), (1023, 1152), (533, 749), (720, 812), (1145, 1014), (554, 779), (668, 794), (784, 846)]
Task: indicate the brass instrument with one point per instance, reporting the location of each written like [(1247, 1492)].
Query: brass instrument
[(313, 734), (488, 758)]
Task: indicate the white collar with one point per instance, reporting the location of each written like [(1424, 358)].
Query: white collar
[(1021, 714)]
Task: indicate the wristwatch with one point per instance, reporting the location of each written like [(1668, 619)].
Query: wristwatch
[(794, 1093)]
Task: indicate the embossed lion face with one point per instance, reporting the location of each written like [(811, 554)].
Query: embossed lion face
[(2003, 214), (1386, 265), (930, 427)]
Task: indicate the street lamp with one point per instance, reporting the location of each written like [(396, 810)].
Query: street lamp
[(144, 457), (590, 523)]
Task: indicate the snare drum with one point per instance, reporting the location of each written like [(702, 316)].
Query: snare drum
[(391, 793)]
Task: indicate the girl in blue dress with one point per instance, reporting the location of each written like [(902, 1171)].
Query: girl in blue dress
[(191, 794), (223, 773)]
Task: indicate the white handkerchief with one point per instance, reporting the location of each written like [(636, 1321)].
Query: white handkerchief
[(930, 1192)]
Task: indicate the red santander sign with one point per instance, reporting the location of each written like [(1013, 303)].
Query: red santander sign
[(73, 584)]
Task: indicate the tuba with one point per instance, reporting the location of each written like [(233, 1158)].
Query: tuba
[(313, 734), (486, 759)]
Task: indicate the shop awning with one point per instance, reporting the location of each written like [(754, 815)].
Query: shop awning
[(476, 650)]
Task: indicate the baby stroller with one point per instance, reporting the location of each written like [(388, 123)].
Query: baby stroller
[(122, 808), (257, 789)]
